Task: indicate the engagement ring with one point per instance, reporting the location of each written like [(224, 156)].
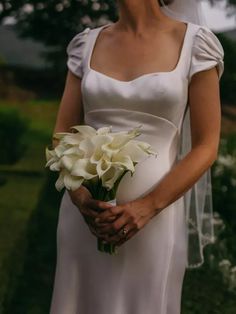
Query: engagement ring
[(124, 232)]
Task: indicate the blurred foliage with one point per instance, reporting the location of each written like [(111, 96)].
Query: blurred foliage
[(19, 198), (13, 128), (225, 197), (55, 22), (64, 19), (228, 81)]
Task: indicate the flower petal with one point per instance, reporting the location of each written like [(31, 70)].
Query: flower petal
[(68, 161), (110, 177), (71, 182), (123, 161), (104, 130), (84, 168), (85, 130), (103, 165), (60, 181), (88, 147)]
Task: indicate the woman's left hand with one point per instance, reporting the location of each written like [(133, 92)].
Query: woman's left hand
[(132, 216)]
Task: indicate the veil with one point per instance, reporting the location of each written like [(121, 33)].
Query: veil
[(198, 199)]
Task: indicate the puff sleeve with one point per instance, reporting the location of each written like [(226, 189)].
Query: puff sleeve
[(75, 52), (207, 52)]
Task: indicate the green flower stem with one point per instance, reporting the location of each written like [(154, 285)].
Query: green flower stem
[(101, 193)]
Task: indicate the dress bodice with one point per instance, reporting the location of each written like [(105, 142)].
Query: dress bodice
[(162, 94)]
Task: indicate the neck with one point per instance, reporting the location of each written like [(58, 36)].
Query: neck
[(139, 14)]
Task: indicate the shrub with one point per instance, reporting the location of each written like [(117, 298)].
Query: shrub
[(12, 131)]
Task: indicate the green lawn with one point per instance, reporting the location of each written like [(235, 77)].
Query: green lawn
[(20, 195), (29, 206)]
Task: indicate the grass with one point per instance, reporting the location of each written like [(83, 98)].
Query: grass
[(20, 194), (29, 207)]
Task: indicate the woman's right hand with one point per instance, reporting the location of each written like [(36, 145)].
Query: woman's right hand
[(88, 206)]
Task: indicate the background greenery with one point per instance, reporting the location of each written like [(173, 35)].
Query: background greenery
[(29, 202)]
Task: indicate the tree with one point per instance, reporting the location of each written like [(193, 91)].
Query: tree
[(55, 22)]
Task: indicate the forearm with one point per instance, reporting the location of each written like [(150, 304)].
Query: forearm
[(181, 177)]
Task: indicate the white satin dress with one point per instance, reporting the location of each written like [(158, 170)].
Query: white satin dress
[(147, 274)]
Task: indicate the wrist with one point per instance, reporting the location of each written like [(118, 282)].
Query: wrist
[(154, 203)]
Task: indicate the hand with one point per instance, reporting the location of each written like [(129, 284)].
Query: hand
[(88, 207), (133, 216)]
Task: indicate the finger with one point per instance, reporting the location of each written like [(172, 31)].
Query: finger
[(98, 205), (89, 213), (128, 237), (119, 235), (105, 224), (93, 231), (107, 214), (114, 227)]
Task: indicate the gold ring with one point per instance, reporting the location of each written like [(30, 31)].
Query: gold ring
[(124, 231)]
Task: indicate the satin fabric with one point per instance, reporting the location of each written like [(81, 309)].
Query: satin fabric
[(147, 274)]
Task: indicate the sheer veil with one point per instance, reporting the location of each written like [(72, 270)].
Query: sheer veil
[(198, 199)]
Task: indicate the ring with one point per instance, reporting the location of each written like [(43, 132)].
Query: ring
[(124, 231)]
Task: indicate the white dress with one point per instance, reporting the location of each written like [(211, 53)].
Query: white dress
[(147, 274)]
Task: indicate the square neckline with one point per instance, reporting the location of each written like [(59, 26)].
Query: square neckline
[(181, 55)]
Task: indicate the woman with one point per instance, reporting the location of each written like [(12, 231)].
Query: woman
[(143, 69)]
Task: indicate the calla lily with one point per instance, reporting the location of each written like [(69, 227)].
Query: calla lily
[(145, 147), (65, 179), (85, 130), (74, 150), (87, 146), (55, 166), (135, 151), (104, 130), (111, 176), (84, 168), (68, 161), (120, 139), (59, 150), (124, 162), (72, 139), (103, 165)]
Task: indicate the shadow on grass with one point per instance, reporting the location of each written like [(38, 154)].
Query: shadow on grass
[(32, 289)]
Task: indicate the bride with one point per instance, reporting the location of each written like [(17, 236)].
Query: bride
[(157, 66)]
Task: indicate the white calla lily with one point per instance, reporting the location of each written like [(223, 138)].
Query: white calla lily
[(133, 151), (120, 139), (85, 130), (104, 130), (145, 147), (72, 182), (74, 150), (65, 179), (87, 146), (123, 161), (84, 168), (59, 150), (103, 165), (110, 177), (55, 166), (72, 139), (68, 161)]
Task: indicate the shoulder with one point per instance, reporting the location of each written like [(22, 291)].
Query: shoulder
[(75, 52), (205, 39), (78, 40), (207, 51)]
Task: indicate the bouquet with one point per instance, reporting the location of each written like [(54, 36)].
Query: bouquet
[(98, 159)]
